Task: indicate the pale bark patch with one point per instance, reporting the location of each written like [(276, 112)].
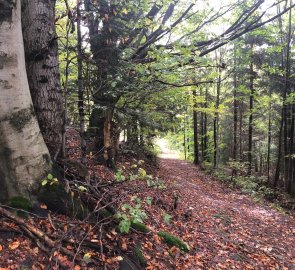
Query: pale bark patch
[(24, 158)]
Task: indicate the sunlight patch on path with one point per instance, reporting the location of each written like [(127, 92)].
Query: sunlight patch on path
[(165, 151)]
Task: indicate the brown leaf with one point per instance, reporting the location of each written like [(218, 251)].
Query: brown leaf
[(43, 206), (14, 245), (124, 244)]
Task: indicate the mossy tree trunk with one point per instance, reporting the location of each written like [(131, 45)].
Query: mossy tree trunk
[(41, 51), (24, 157)]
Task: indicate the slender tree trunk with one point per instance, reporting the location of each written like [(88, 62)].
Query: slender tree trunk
[(66, 87), (195, 119), (215, 122), (202, 129), (184, 136), (24, 157), (241, 133), (132, 134), (269, 138), (141, 135), (235, 146), (205, 138), (279, 153), (41, 50), (292, 151), (251, 107), (80, 82)]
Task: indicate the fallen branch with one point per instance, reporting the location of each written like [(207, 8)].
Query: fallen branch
[(33, 232)]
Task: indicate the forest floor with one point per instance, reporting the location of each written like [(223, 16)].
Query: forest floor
[(223, 227), (226, 228)]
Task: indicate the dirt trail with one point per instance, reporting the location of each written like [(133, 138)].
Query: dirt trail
[(225, 228)]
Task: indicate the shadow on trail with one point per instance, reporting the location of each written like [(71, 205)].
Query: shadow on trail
[(226, 227)]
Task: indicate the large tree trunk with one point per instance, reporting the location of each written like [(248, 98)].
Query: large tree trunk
[(288, 136), (41, 50), (24, 158)]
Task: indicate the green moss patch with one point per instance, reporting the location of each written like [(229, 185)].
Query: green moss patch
[(19, 119), (20, 203), (104, 213), (59, 201), (139, 227), (173, 241), (139, 256)]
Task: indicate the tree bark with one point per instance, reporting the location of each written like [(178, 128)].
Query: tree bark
[(251, 104), (215, 122), (196, 139), (80, 81), (24, 157), (288, 137), (205, 138), (105, 54), (235, 116), (269, 134), (41, 50)]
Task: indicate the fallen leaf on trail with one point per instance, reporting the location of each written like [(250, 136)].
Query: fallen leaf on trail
[(124, 244), (113, 231), (35, 250), (94, 240), (43, 206), (1, 248), (14, 245), (114, 259)]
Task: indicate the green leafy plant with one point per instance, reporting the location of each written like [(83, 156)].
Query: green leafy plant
[(155, 183), (130, 215), (81, 188), (49, 179), (140, 162), (247, 184), (166, 218), (142, 173), (133, 177), (119, 176), (149, 200)]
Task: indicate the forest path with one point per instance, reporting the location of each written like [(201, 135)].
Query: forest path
[(226, 228)]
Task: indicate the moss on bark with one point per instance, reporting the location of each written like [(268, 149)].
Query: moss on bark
[(59, 201), (20, 118)]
